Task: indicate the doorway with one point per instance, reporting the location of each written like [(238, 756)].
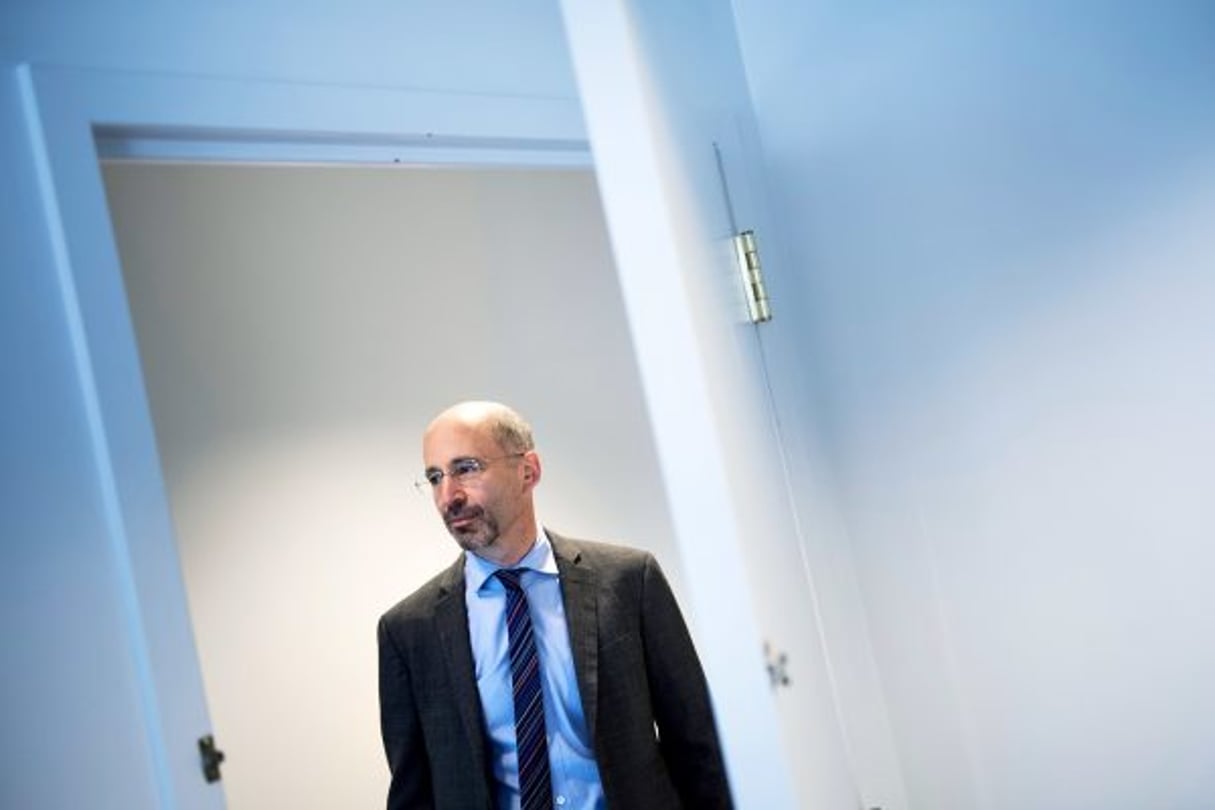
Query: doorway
[(297, 325)]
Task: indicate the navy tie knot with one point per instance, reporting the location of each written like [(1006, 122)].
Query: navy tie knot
[(510, 577)]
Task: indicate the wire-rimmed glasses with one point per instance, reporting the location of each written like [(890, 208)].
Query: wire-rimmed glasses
[(461, 470)]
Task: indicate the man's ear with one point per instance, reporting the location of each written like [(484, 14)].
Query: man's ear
[(531, 468)]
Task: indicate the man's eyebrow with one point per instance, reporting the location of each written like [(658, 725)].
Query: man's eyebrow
[(453, 460)]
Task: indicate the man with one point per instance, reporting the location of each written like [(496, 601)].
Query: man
[(567, 680)]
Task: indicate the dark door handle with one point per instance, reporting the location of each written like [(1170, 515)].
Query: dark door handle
[(211, 757)]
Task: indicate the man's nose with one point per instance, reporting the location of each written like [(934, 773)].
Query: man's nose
[(448, 492)]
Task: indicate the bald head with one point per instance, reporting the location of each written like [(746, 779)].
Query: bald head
[(500, 422)]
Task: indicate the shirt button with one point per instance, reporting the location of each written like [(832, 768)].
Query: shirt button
[(560, 800)]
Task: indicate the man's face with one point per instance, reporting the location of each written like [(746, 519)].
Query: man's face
[(481, 508)]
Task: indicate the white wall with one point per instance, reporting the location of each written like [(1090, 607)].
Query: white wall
[(1001, 220), (476, 45), (298, 328), (78, 732)]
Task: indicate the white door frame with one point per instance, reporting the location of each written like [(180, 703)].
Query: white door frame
[(72, 115)]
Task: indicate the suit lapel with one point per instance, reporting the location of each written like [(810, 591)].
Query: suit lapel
[(451, 621), (578, 594)]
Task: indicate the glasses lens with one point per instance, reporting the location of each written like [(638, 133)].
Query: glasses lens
[(433, 477), (464, 467)]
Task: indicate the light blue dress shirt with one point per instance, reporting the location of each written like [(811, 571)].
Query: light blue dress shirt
[(575, 777)]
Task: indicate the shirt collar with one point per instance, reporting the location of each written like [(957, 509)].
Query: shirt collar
[(539, 558)]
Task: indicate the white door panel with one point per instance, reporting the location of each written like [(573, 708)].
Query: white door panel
[(661, 86)]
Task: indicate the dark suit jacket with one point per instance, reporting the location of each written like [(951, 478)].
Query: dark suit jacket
[(643, 691)]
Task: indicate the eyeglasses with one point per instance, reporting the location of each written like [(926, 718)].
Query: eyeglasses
[(461, 470)]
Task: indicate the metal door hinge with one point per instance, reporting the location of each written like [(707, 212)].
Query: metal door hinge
[(746, 252), (211, 758)]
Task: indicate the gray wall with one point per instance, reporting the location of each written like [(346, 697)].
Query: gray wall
[(298, 328)]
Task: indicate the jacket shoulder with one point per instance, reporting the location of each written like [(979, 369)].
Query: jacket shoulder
[(419, 605), (600, 554)]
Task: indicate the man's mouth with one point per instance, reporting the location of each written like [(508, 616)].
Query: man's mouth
[(462, 520)]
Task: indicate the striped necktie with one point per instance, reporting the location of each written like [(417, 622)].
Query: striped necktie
[(535, 790)]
